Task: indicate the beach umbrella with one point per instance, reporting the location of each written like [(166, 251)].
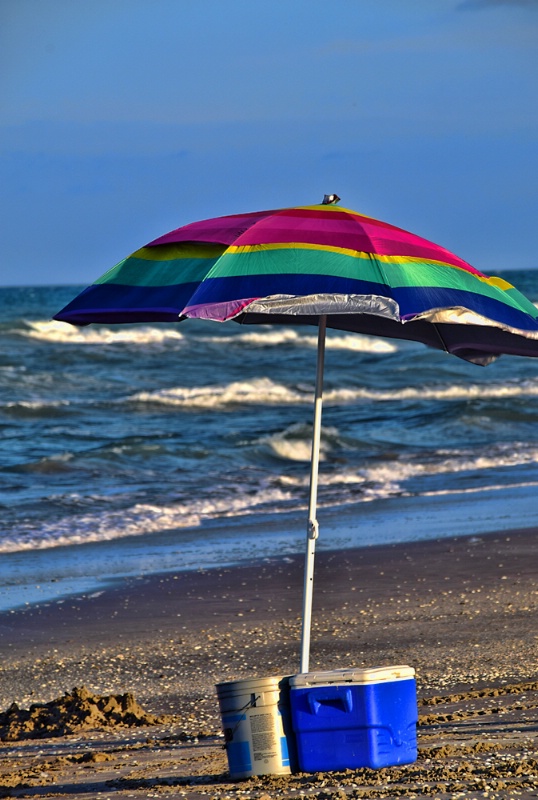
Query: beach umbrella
[(322, 265)]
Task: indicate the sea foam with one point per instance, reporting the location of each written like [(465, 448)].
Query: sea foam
[(269, 392), (256, 494), (63, 333)]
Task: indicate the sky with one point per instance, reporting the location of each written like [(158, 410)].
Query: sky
[(123, 119)]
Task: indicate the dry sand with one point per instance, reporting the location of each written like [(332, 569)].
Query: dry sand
[(462, 612)]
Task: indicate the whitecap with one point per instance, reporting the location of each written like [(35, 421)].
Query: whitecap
[(286, 336), (275, 494), (140, 519), (512, 454), (295, 443), (440, 392), (267, 392), (63, 333), (36, 405), (257, 391)]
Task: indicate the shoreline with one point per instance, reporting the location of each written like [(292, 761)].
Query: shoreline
[(28, 577), (350, 582)]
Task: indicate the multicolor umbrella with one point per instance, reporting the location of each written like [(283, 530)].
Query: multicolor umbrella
[(322, 265)]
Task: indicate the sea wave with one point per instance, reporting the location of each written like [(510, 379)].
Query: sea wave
[(259, 493), (389, 475), (34, 408), (289, 336), (437, 392), (295, 443), (138, 520), (511, 454), (476, 489), (34, 405), (268, 392), (259, 390), (63, 333)]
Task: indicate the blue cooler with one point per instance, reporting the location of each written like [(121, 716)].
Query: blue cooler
[(350, 718)]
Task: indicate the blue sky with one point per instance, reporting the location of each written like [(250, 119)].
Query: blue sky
[(123, 119)]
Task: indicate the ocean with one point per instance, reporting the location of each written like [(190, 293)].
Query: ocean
[(141, 448)]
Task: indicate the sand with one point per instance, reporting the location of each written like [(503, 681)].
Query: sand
[(462, 612)]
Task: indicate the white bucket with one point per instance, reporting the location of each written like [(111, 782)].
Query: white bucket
[(256, 721)]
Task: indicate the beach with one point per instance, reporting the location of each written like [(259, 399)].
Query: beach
[(208, 356), (461, 611)]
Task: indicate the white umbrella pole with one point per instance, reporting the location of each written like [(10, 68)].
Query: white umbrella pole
[(313, 527)]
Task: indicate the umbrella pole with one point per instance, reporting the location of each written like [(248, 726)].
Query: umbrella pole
[(313, 527)]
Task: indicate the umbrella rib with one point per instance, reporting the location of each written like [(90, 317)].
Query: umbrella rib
[(438, 332)]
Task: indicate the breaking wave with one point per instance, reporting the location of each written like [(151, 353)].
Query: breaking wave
[(259, 390), (266, 391), (339, 487), (63, 333), (289, 336)]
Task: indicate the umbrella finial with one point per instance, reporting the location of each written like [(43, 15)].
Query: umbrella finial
[(329, 199)]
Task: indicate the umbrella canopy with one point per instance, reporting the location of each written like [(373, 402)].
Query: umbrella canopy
[(363, 274), (322, 265)]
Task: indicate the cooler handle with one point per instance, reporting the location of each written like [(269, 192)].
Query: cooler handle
[(335, 697)]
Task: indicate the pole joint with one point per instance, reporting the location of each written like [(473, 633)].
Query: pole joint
[(313, 529)]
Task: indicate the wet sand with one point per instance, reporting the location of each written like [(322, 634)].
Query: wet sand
[(462, 612)]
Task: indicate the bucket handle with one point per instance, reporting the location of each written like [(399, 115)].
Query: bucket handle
[(251, 703)]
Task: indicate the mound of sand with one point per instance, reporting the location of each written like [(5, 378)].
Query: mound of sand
[(77, 710)]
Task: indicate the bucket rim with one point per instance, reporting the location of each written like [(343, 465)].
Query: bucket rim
[(270, 683)]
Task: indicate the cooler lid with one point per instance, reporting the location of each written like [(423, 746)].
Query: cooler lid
[(352, 675)]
